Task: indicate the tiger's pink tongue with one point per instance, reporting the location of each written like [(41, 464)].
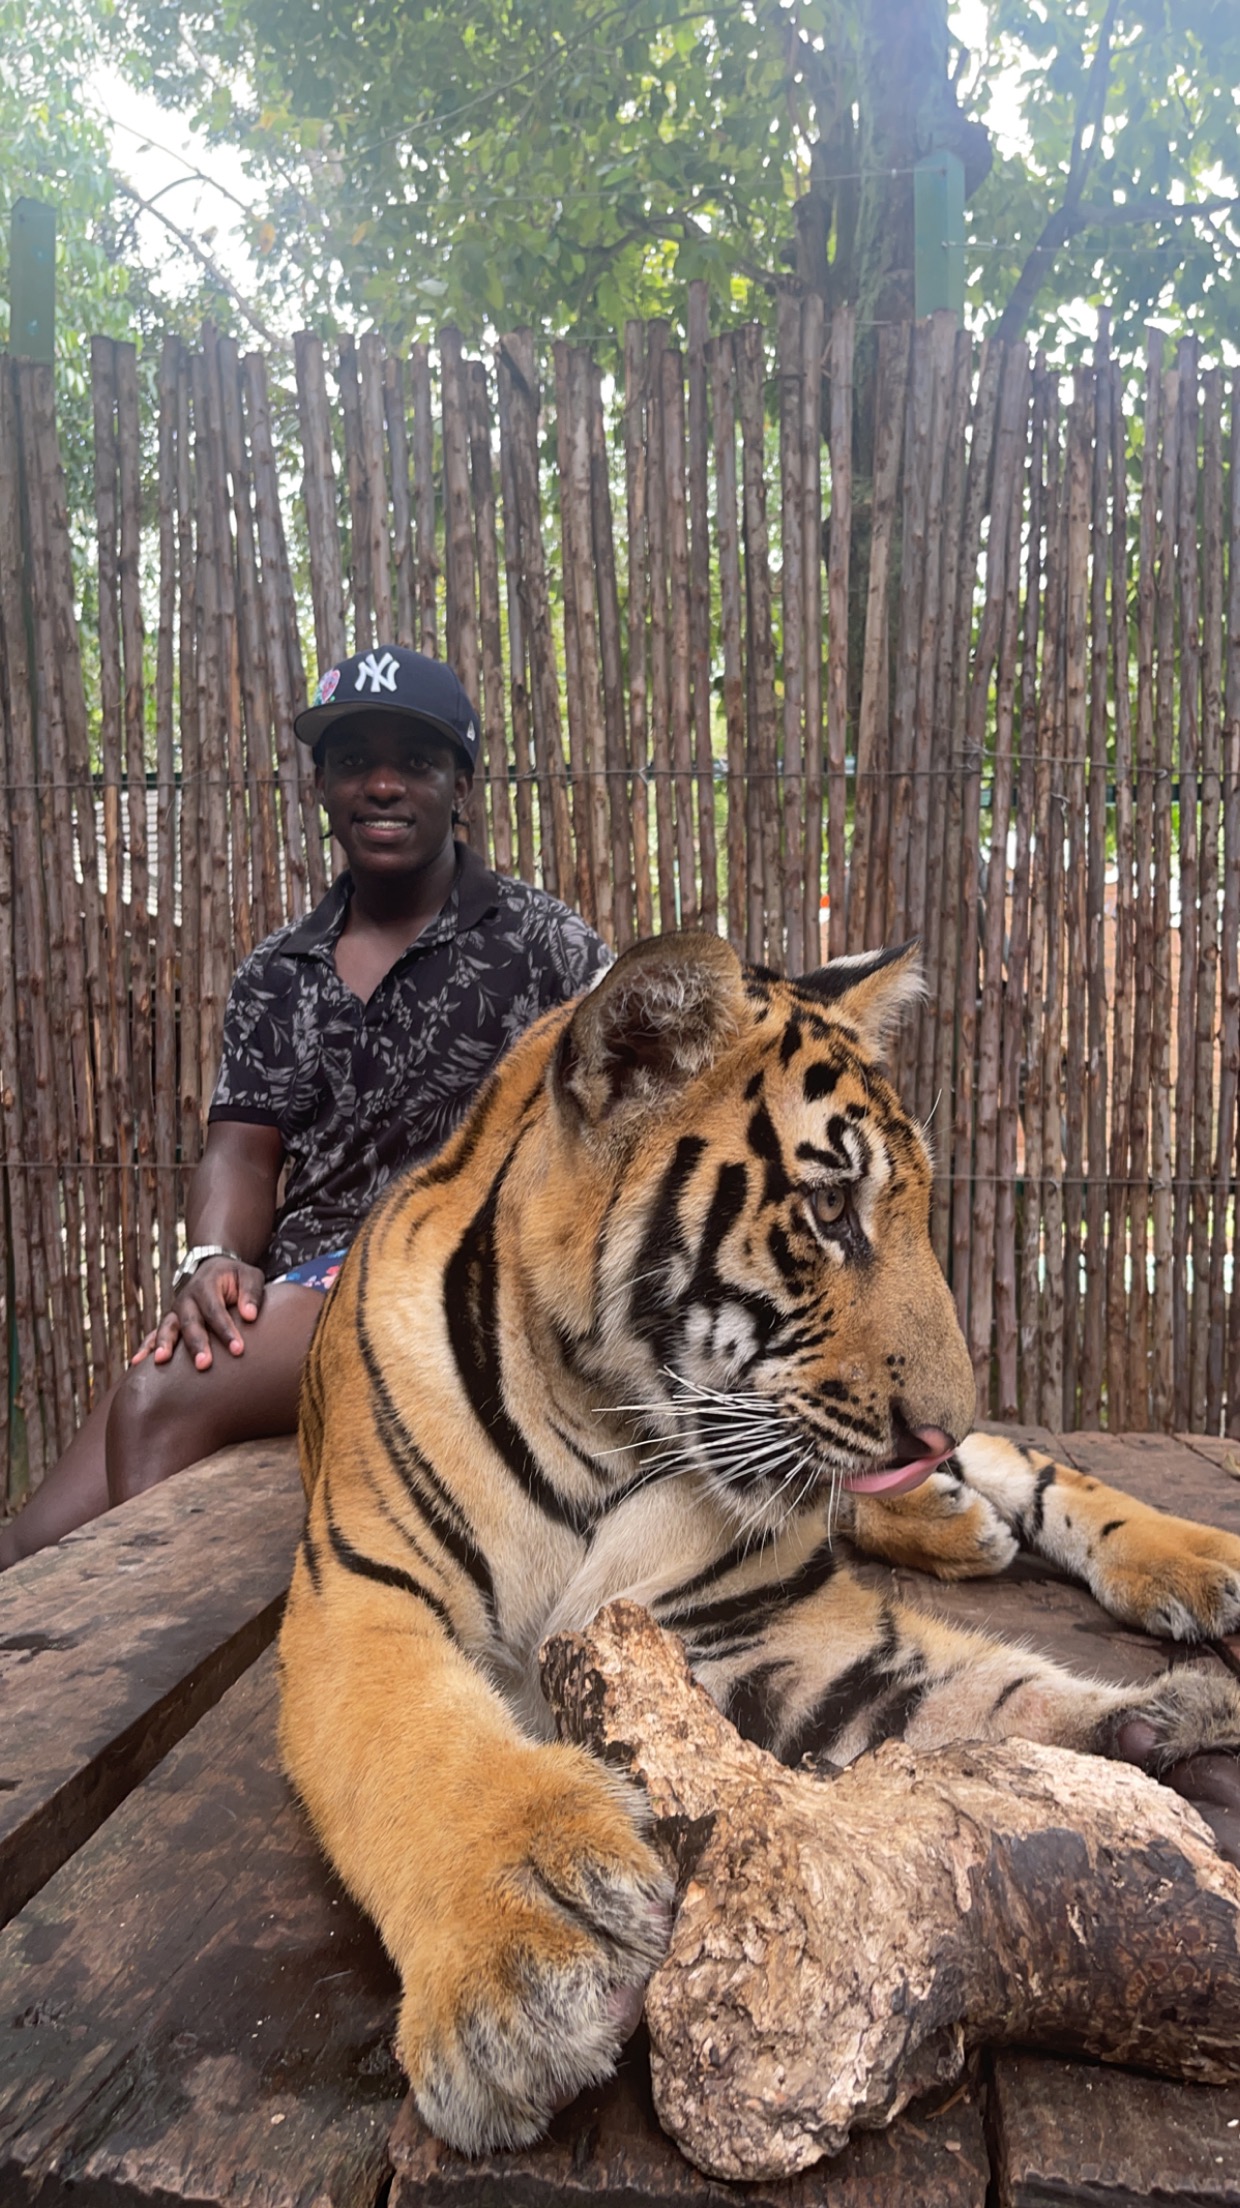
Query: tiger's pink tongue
[(897, 1479)]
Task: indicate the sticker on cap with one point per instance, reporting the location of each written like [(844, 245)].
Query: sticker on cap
[(328, 686)]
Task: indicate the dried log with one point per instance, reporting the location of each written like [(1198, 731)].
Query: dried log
[(840, 1944)]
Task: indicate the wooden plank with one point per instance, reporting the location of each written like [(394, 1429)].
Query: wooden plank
[(115, 1642), (1072, 2135), (1171, 1474), (192, 2010), (1217, 1449), (607, 2151)]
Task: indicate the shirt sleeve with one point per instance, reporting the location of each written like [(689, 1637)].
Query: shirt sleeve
[(257, 1058), (576, 957)]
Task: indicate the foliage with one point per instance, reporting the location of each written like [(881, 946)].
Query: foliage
[(1130, 111), (572, 162), (53, 147)]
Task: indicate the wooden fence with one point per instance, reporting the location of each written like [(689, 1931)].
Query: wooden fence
[(990, 697)]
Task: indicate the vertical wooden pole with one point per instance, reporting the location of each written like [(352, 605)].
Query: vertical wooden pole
[(843, 333), (699, 616)]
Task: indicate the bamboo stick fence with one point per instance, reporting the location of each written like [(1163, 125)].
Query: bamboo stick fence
[(990, 698)]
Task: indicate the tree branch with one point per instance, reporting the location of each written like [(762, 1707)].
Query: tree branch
[(1067, 223), (214, 271), (1059, 226)]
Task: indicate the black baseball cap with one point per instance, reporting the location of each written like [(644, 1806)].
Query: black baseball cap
[(391, 679)]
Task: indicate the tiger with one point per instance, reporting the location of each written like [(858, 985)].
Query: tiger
[(663, 1320)]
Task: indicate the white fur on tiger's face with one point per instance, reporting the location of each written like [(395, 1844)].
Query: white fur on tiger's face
[(662, 1320)]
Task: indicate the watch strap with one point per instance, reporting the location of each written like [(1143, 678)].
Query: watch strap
[(198, 1256)]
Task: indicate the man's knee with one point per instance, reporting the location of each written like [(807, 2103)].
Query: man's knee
[(155, 1428)]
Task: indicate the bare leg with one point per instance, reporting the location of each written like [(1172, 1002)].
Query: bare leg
[(156, 1419), (74, 1491)]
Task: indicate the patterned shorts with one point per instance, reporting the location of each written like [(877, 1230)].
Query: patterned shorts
[(316, 1272)]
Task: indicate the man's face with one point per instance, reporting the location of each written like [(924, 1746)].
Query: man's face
[(388, 785)]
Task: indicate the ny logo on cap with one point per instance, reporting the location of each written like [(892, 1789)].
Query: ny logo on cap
[(380, 673)]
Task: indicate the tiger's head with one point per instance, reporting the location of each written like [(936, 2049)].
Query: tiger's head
[(764, 1303)]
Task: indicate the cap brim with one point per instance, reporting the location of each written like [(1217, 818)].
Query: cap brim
[(319, 720)]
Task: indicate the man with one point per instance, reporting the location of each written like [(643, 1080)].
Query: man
[(354, 1040)]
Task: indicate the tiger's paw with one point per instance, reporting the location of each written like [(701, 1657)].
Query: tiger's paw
[(534, 1977), (942, 1527), (1170, 1576), (1186, 1713)]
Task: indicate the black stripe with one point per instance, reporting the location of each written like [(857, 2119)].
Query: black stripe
[(1013, 1687), (311, 1555), (426, 1491), (384, 1575), (821, 1080), (765, 1142), (472, 1306), (712, 1573), (582, 1456), (891, 1719), (650, 1315), (726, 1206), (791, 1042), (1031, 1520), (1112, 1526), (788, 1264), (754, 1606), (752, 1703), (844, 1699)]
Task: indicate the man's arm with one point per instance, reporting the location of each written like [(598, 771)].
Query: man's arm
[(232, 1201)]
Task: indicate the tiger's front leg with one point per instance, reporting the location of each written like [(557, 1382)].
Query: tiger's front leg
[(1164, 1575), (509, 1878), (847, 1667)]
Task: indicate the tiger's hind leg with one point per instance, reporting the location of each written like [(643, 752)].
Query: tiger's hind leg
[(847, 1667), (1164, 1575)]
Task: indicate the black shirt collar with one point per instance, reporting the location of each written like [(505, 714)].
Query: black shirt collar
[(475, 892)]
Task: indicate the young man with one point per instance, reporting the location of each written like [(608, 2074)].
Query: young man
[(354, 1040)]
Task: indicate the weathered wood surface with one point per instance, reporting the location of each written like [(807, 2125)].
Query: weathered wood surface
[(192, 2010), (1069, 2135), (114, 1643), (607, 2151)]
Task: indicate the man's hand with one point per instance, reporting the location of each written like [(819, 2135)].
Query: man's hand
[(231, 1203), (204, 1309)]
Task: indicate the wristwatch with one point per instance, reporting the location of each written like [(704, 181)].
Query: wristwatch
[(198, 1256)]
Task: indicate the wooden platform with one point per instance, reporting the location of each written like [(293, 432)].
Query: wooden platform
[(192, 2012)]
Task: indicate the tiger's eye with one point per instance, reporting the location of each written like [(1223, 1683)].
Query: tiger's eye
[(828, 1205)]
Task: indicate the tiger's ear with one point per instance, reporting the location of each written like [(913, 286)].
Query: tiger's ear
[(657, 1019), (870, 989)]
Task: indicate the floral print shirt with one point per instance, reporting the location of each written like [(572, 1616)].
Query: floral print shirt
[(361, 1091)]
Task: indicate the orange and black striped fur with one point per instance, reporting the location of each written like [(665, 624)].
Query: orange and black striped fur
[(665, 1294)]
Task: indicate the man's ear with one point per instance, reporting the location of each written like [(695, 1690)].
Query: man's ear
[(662, 1014), (871, 990)]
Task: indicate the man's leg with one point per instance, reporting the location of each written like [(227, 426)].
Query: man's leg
[(164, 1417), (156, 1419), (74, 1491)]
